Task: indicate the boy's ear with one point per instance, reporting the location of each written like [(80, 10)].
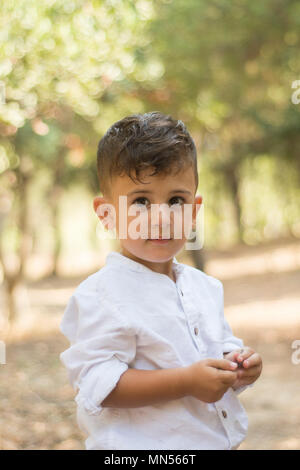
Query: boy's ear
[(197, 204), (96, 202), (104, 212)]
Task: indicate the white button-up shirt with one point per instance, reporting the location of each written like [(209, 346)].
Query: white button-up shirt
[(126, 315)]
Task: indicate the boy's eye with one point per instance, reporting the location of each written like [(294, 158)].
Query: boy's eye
[(176, 198), (173, 200), (139, 201)]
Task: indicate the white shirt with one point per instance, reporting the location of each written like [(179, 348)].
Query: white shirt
[(126, 315)]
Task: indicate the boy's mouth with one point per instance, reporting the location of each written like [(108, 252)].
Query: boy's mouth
[(161, 241)]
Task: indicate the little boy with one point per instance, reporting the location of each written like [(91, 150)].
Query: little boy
[(152, 357)]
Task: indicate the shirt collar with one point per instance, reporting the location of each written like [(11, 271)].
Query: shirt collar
[(115, 257)]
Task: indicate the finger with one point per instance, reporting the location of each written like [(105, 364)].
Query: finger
[(236, 358), (253, 360), (231, 356), (228, 377), (251, 373), (247, 380), (244, 354), (222, 364)]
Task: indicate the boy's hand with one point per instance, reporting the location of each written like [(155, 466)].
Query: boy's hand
[(249, 366), (209, 379)]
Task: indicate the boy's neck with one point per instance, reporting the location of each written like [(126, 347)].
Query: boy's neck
[(165, 267)]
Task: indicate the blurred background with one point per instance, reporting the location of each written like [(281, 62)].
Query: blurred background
[(71, 68)]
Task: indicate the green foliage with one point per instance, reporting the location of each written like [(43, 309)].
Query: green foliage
[(70, 68)]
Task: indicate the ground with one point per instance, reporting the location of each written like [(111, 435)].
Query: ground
[(262, 305)]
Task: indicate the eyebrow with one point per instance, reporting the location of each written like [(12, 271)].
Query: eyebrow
[(147, 191)]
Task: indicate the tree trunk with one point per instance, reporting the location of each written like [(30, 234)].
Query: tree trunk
[(10, 285), (198, 259), (233, 183), (25, 237), (54, 198), (12, 278)]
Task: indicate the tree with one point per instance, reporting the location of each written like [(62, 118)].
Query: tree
[(63, 64)]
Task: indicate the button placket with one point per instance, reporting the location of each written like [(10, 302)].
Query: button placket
[(191, 319), (225, 419), (224, 414)]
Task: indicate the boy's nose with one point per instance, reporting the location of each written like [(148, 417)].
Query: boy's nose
[(159, 231), (160, 221), (161, 213)]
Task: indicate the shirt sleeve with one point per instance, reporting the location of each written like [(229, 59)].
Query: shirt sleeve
[(230, 342), (101, 347)]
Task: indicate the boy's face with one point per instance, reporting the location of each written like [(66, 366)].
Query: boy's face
[(143, 222)]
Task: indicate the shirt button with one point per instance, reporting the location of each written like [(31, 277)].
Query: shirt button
[(224, 414), (181, 292), (196, 330)]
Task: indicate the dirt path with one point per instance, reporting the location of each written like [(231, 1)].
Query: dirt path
[(262, 305)]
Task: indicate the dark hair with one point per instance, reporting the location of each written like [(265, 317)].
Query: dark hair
[(142, 141)]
